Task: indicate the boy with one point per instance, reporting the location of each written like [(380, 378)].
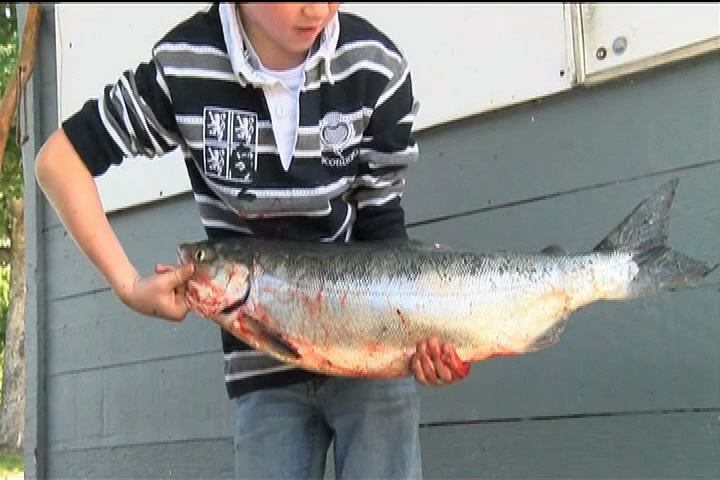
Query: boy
[(295, 121)]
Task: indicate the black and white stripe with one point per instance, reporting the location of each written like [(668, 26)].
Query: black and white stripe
[(160, 106)]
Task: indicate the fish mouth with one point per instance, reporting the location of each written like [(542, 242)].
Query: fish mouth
[(181, 255), (234, 293)]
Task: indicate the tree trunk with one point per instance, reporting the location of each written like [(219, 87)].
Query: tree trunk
[(12, 411), (23, 70)]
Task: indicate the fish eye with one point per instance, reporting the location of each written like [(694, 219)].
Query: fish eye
[(200, 254)]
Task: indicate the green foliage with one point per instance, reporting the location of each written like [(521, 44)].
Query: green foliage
[(2, 367), (8, 41), (11, 177), (11, 464), (11, 181), (4, 303)]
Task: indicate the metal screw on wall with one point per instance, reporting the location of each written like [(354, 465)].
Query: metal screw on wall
[(619, 45)]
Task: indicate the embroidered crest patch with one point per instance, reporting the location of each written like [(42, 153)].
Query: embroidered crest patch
[(336, 131), (230, 144), (336, 134)]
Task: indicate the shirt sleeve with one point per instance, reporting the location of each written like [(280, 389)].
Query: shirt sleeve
[(132, 117), (388, 148)]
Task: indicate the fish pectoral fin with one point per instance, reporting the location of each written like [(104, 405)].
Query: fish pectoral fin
[(270, 341), (280, 347)]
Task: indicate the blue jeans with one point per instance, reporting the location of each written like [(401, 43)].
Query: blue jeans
[(285, 432)]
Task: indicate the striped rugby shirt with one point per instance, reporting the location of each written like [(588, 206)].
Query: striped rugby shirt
[(353, 146)]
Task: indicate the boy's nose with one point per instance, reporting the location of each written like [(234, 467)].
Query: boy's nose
[(316, 10)]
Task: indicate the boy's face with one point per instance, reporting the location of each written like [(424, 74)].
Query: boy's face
[(282, 33)]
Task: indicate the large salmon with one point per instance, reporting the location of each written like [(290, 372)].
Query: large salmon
[(361, 309)]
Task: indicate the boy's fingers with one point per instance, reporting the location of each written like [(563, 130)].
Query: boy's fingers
[(443, 371), (180, 275), (185, 272), (418, 371), (459, 368), (433, 346), (429, 371), (160, 268)]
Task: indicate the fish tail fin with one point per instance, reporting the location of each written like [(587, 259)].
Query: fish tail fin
[(644, 233)]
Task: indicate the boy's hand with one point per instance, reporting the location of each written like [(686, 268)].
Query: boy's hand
[(437, 363), (160, 295)]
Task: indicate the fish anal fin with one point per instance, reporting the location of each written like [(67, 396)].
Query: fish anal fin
[(550, 336)]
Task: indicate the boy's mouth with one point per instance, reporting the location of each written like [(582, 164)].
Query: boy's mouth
[(306, 30)]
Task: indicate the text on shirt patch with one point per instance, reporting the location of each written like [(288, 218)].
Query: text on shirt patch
[(230, 144), (336, 132)]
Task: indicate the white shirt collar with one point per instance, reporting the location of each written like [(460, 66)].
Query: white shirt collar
[(245, 62)]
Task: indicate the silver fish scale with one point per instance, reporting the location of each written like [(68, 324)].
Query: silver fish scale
[(360, 309), (396, 296)]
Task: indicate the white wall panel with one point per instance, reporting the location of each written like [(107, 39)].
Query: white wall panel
[(466, 58), (469, 58), (622, 38), (95, 44)]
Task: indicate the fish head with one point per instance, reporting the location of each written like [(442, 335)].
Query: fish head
[(220, 282), (219, 290)]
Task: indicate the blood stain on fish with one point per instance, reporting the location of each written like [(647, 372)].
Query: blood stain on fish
[(313, 305)]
